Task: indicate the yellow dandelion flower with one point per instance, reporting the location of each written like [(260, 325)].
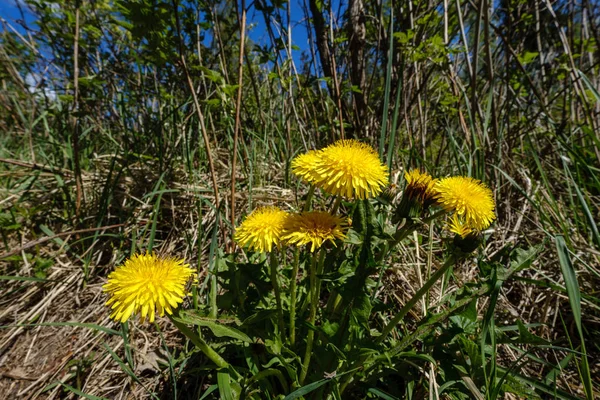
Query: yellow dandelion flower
[(466, 239), (261, 229), (146, 284), (470, 198), (458, 226), (305, 164), (314, 228), (352, 169)]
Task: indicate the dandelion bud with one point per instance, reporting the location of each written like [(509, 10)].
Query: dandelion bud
[(418, 195)]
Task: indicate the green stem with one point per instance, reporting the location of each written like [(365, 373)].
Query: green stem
[(405, 231), (429, 263), (275, 283), (213, 257), (311, 319), (213, 294), (332, 302), (201, 344), (293, 297), (420, 293), (336, 205), (309, 197), (382, 270)]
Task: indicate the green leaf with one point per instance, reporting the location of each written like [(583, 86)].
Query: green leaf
[(306, 389), (208, 391), (361, 309), (353, 237), (381, 394), (571, 283), (556, 370), (224, 382), (122, 364), (217, 328), (527, 337), (359, 218), (372, 221), (471, 350), (418, 356), (528, 57), (467, 319), (523, 259)]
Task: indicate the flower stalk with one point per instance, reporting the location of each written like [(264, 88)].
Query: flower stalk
[(336, 205), (312, 317), (275, 283), (201, 344), (293, 297), (309, 196), (452, 260)]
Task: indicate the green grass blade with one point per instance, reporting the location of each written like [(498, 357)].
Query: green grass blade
[(392, 142), (80, 393), (573, 292), (24, 278), (588, 215), (208, 391), (381, 394), (224, 382), (306, 389), (388, 84)]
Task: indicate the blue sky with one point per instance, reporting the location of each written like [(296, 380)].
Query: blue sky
[(10, 12), (257, 32)]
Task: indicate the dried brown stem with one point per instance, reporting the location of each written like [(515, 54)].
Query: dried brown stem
[(237, 113)]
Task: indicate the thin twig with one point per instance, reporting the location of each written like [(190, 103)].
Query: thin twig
[(36, 242), (77, 166), (34, 166)]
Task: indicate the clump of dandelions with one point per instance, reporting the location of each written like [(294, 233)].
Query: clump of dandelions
[(146, 284)]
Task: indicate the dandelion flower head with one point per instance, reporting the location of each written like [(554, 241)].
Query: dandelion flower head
[(146, 284), (458, 226), (314, 228), (261, 229), (470, 198), (305, 165), (352, 169), (418, 195), (420, 186)]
